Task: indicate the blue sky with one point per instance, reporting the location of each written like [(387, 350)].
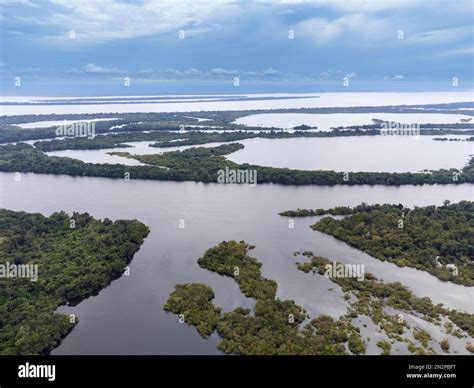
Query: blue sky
[(68, 47)]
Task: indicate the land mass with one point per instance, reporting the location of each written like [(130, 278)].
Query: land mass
[(76, 257), (273, 327), (202, 164), (436, 239), (281, 327), (371, 297)]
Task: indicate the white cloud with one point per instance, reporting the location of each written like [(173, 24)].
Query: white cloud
[(92, 68), (455, 52), (365, 22), (194, 73), (145, 71), (394, 77), (441, 36), (109, 20), (271, 71), (329, 73), (219, 72), (20, 2), (358, 28)]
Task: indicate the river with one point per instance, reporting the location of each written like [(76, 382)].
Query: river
[(128, 317)]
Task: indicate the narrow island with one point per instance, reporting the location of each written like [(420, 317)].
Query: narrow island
[(201, 164)]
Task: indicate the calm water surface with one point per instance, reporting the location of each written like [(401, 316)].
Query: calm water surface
[(128, 318), (356, 153)]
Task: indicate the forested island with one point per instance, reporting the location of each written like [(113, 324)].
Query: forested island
[(432, 238), (336, 211), (164, 139), (273, 327), (371, 297), (281, 327), (76, 257), (203, 164)]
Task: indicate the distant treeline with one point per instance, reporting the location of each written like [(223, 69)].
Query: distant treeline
[(229, 116), (155, 121), (453, 139), (166, 139), (172, 139)]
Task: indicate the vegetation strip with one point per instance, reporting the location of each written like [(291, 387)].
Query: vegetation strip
[(202, 165)]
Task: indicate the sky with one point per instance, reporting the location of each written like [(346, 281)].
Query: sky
[(107, 47)]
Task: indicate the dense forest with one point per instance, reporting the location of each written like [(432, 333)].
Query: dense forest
[(428, 238), (113, 140), (273, 327), (76, 257)]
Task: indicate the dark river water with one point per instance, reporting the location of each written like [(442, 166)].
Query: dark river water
[(128, 318)]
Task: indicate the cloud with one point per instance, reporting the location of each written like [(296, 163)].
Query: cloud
[(367, 6), (455, 52), (225, 72), (357, 28), (331, 73), (441, 36), (213, 73), (228, 38), (145, 71), (357, 23), (20, 2), (394, 77), (110, 20), (92, 68), (28, 70), (271, 71), (209, 74)]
